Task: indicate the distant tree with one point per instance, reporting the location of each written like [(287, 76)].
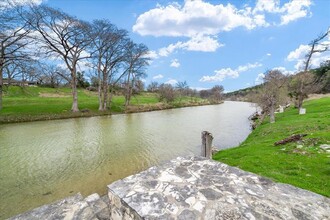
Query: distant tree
[(138, 86), (81, 81), (204, 94), (302, 85), (183, 89), (51, 75), (273, 93), (13, 37), (153, 87), (216, 93), (322, 75), (166, 93), (109, 51), (94, 81), (135, 62), (193, 93)]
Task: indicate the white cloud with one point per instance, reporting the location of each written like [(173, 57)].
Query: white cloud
[(171, 82), (197, 17), (10, 3), (284, 70), (202, 21), (248, 66), (196, 43), (298, 55), (294, 10), (200, 88), (193, 18), (221, 74), (271, 6), (151, 54), (175, 63), (288, 12), (159, 76), (202, 43), (269, 54), (259, 79)]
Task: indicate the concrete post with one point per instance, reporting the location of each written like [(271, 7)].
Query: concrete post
[(206, 150), (302, 111)]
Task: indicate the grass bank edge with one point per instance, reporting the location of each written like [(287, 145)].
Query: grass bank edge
[(38, 104), (305, 166)]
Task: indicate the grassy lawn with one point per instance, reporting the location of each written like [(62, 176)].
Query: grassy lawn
[(38, 103), (306, 166)]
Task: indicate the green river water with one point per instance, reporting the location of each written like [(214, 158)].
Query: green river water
[(41, 162)]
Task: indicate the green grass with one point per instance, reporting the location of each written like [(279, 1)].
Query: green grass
[(307, 167), (39, 103)]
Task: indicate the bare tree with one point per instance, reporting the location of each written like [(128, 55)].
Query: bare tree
[(108, 50), (136, 61), (322, 75), (153, 87), (272, 93), (13, 38), (52, 75), (167, 93), (138, 86), (183, 89), (62, 36), (217, 92), (303, 83)]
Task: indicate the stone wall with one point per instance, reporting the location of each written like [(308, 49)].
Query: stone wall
[(197, 188)]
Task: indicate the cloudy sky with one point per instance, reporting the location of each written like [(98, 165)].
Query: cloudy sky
[(210, 42)]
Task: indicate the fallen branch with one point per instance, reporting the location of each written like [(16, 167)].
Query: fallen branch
[(293, 138)]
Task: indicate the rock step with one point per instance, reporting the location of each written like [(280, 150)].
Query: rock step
[(99, 206), (74, 207)]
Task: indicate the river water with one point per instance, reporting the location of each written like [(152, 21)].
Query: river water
[(41, 162)]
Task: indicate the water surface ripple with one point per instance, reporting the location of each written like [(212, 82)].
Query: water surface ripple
[(41, 162)]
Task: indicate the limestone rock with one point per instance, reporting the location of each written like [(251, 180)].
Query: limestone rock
[(99, 207), (198, 188), (73, 208)]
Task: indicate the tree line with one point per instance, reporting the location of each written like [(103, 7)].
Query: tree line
[(45, 44), (280, 89), (169, 93)]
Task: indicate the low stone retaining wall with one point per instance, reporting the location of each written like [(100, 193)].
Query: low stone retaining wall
[(198, 188), (190, 188)]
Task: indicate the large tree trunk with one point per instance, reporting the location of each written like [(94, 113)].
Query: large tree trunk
[(300, 101), (110, 99), (127, 90), (1, 85), (105, 90), (272, 114), (2, 62), (74, 92), (99, 90)]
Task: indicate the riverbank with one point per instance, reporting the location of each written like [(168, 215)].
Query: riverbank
[(26, 104), (304, 164)]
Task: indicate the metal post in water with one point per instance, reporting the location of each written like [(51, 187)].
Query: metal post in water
[(206, 150)]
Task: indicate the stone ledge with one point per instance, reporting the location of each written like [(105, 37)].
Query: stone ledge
[(73, 208), (197, 188)]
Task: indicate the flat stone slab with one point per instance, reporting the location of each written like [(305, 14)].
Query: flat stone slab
[(197, 188), (71, 208)]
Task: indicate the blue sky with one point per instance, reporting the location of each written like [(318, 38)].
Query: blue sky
[(212, 42)]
